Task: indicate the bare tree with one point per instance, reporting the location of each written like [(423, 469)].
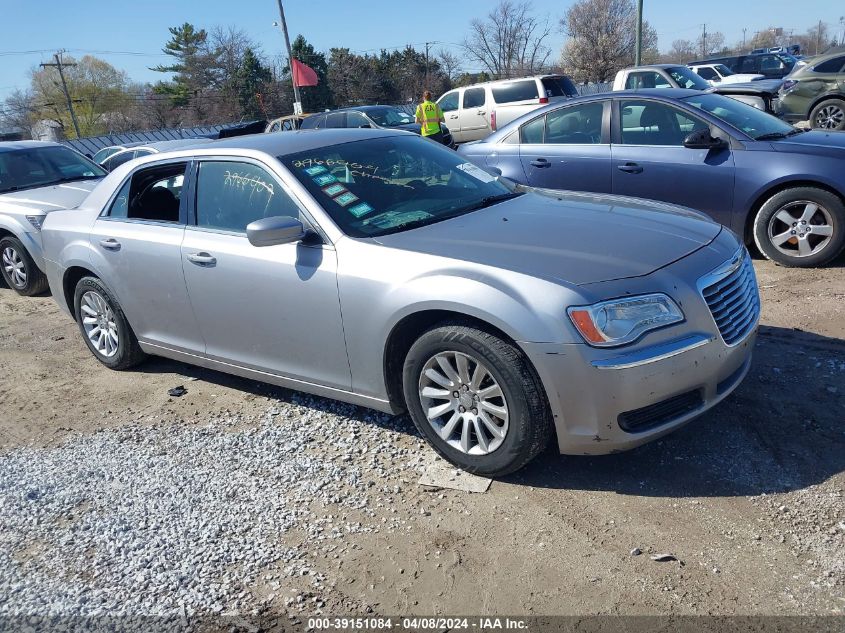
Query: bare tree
[(711, 44), (18, 111), (509, 41), (449, 63), (602, 36), (681, 52)]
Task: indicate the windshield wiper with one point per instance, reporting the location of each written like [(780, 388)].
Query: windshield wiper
[(771, 136), (491, 200)]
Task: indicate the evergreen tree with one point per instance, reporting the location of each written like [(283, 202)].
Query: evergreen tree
[(251, 78)]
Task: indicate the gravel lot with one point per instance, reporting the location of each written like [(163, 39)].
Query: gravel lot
[(259, 503)]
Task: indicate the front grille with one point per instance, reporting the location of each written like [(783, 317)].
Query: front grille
[(660, 413), (733, 298)]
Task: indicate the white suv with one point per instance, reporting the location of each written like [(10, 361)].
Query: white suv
[(719, 74), (473, 112)]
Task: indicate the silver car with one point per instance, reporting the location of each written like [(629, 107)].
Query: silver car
[(379, 268), (36, 178)]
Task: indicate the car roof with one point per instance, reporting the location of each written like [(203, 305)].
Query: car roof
[(296, 140), (647, 67), (508, 80), (10, 146)]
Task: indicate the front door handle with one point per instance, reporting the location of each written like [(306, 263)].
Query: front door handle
[(110, 244), (481, 112), (630, 168), (202, 259), (540, 162), (453, 116)]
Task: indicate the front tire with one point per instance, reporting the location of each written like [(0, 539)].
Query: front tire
[(104, 327), (802, 227), (19, 270), (829, 115), (476, 399)]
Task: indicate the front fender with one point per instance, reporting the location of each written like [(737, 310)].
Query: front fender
[(379, 287)]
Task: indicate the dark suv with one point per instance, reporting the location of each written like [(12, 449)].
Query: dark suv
[(772, 65), (374, 116), (816, 92)]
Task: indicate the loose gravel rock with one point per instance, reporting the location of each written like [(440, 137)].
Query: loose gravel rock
[(178, 518)]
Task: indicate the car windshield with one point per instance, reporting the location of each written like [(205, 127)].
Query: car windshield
[(686, 78), (757, 124), (390, 117), (378, 186), (43, 166), (724, 70)]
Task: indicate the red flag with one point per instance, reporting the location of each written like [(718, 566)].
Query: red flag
[(303, 75)]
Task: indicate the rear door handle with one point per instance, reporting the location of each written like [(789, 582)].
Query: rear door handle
[(202, 259), (540, 162), (630, 168), (481, 112), (110, 244), (453, 116)]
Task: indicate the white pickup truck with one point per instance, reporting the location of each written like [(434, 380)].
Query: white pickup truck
[(763, 94)]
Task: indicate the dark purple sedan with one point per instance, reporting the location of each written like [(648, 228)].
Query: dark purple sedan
[(774, 184)]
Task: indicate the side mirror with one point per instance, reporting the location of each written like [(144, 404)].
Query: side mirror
[(280, 229), (701, 139)]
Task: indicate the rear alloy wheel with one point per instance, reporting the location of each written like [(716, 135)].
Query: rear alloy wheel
[(104, 327), (829, 115), (19, 269), (801, 227), (476, 399)]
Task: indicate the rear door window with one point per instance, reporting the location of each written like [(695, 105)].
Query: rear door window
[(314, 122), (336, 120), (835, 65), (575, 125), (473, 98), (707, 73), (515, 91), (646, 79), (153, 194)]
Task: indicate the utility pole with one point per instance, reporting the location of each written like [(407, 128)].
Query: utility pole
[(638, 49), (427, 45), (297, 106), (704, 40), (819, 38), (743, 39), (59, 64)]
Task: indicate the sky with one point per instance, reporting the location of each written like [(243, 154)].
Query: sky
[(129, 34)]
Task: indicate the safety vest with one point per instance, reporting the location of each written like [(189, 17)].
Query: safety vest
[(430, 114)]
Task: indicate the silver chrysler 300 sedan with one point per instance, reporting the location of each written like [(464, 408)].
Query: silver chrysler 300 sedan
[(380, 268)]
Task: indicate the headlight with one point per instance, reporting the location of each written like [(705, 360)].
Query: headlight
[(36, 220), (620, 321)]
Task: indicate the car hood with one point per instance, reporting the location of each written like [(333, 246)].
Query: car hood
[(566, 237), (67, 195), (816, 142), (761, 86), (741, 78)]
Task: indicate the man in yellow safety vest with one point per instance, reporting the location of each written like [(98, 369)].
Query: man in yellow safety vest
[(430, 116)]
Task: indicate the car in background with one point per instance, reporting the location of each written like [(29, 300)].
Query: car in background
[(762, 95), (285, 123), (105, 152), (473, 112), (719, 74), (378, 268), (36, 178), (770, 65), (145, 149), (374, 116), (816, 92), (772, 184)]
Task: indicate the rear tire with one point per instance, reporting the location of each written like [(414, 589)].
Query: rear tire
[(19, 270), (802, 227), (500, 419), (828, 115), (104, 327)]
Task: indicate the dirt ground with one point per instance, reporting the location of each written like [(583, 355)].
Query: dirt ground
[(750, 498)]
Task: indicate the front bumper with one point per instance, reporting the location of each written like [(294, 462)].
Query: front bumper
[(606, 400), (594, 397)]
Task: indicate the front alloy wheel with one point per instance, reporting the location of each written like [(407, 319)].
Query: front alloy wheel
[(18, 268), (463, 403), (801, 228), (476, 398)]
